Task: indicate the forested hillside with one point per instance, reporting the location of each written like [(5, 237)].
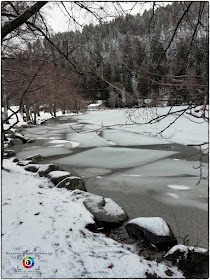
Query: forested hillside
[(157, 58)]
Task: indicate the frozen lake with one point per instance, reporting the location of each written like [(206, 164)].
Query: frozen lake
[(146, 174)]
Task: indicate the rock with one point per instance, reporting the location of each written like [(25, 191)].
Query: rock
[(24, 162), (21, 137), (57, 176), (35, 158), (107, 213), (193, 261), (72, 183), (15, 160), (32, 167), (16, 141), (47, 168), (24, 125), (12, 135), (9, 154), (152, 231)]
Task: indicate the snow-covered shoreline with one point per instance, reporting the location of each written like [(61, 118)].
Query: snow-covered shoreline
[(49, 224)]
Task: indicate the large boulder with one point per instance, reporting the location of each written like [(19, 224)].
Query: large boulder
[(24, 162), (58, 176), (35, 158), (32, 168), (9, 154), (16, 141), (47, 168), (193, 261), (21, 137), (72, 183), (107, 213), (152, 231)]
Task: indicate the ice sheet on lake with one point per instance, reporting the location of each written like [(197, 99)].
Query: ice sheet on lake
[(183, 131), (108, 157), (88, 139), (169, 167), (45, 152), (125, 138), (90, 172)]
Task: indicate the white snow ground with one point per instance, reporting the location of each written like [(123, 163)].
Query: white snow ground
[(49, 226)]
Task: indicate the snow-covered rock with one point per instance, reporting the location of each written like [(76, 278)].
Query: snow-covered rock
[(193, 261), (35, 158), (72, 183), (57, 176), (152, 230), (9, 154), (19, 136), (106, 212), (32, 167), (24, 162), (47, 168)]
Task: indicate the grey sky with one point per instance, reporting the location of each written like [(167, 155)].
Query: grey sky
[(58, 17)]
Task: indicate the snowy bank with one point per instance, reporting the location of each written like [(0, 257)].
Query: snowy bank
[(48, 225)]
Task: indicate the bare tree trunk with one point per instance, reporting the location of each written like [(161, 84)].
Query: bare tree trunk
[(35, 112), (27, 111), (54, 109)]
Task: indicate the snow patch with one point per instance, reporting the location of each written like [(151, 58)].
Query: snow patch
[(185, 249), (155, 225), (172, 195), (57, 174), (58, 141), (179, 187)]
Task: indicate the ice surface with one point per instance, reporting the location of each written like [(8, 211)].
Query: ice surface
[(58, 145), (172, 195), (90, 172), (169, 167), (181, 188), (155, 225), (183, 131), (88, 139), (114, 157), (74, 144), (125, 138), (45, 152)]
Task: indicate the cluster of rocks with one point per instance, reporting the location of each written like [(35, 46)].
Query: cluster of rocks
[(14, 137)]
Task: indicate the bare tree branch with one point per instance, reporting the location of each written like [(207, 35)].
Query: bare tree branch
[(11, 26)]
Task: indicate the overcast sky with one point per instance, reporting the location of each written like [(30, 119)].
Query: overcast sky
[(58, 16)]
